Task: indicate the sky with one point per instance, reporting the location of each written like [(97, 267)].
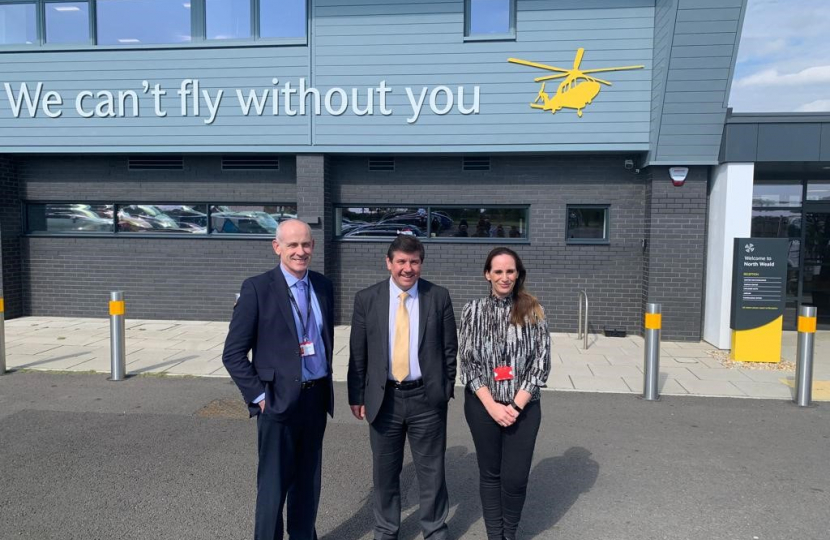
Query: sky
[(783, 58)]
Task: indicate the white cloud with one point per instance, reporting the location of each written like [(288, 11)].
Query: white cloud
[(819, 105), (784, 56), (771, 77)]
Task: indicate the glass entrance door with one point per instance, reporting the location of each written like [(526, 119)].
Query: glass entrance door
[(816, 267)]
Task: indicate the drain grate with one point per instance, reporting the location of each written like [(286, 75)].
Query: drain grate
[(224, 408)]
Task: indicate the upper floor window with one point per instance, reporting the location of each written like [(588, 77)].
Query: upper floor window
[(490, 19), (18, 24), (150, 22), (67, 22)]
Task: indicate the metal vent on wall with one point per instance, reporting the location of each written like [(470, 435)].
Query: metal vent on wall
[(155, 163), (250, 163), (480, 163), (382, 164)]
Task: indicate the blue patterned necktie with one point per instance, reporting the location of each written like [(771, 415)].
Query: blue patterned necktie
[(311, 362)]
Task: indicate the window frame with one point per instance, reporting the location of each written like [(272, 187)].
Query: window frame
[(438, 239), (117, 205), (198, 31), (510, 35), (604, 241)]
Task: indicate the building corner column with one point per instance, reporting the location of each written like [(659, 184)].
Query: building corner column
[(730, 217), (11, 252)]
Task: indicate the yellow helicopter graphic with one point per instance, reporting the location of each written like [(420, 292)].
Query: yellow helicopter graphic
[(576, 91)]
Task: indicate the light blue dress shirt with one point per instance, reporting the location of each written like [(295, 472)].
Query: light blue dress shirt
[(414, 315)]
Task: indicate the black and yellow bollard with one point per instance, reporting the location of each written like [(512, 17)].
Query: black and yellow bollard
[(118, 356), (651, 370), (2, 336), (807, 318)]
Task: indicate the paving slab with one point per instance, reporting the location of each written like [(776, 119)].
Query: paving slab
[(147, 365), (560, 381), (774, 390), (600, 384), (711, 388), (665, 385), (719, 374), (569, 359), (615, 371)]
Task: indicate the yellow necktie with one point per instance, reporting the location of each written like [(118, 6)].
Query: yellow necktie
[(400, 353)]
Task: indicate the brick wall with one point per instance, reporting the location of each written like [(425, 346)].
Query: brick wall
[(162, 278), (11, 268), (612, 273), (676, 256)]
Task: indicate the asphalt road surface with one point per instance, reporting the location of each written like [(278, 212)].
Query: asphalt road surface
[(168, 458)]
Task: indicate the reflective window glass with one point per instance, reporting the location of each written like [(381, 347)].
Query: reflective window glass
[(282, 18), (69, 218), (18, 24), (248, 219), (478, 222), (136, 22), (776, 194), (818, 190), (228, 19), (152, 218), (776, 224), (67, 22), (381, 222), (489, 17), (587, 223)]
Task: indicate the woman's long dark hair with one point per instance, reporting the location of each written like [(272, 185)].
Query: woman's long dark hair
[(525, 305)]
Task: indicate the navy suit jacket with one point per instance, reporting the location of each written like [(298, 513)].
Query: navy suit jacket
[(264, 323)]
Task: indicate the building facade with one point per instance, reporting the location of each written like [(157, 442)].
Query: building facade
[(155, 152)]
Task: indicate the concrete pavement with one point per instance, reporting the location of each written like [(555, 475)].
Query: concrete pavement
[(608, 365)]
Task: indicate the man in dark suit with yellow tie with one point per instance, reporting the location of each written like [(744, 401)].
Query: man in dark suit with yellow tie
[(401, 375), (286, 316)]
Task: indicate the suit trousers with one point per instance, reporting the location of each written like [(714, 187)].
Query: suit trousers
[(290, 459), (408, 413), (504, 458)]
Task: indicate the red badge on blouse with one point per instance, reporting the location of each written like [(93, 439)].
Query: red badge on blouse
[(503, 373)]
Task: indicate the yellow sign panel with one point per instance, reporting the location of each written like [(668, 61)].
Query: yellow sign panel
[(654, 321), (116, 307), (576, 91), (762, 344)]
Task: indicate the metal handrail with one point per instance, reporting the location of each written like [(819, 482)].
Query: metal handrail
[(580, 295)]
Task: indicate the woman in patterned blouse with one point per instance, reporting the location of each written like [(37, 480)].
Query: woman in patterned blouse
[(505, 359)]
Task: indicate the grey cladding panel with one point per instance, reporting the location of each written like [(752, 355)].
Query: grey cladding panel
[(702, 53), (740, 143), (386, 40), (789, 142), (825, 143)]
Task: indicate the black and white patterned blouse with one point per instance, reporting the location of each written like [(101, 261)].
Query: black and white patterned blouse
[(488, 340)]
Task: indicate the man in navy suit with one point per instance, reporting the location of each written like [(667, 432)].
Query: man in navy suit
[(286, 316)]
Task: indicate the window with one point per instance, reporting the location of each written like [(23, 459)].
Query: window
[(818, 190), (776, 194), (18, 24), (135, 22), (150, 22), (67, 22), (228, 19), (490, 19), (587, 224), (434, 222), (157, 219), (69, 218)]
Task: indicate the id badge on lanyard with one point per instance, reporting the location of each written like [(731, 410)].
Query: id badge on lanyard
[(503, 372), (306, 345)]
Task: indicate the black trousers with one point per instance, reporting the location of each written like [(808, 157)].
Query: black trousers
[(504, 458), (408, 413), (290, 459)]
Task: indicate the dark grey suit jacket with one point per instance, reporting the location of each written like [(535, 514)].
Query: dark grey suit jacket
[(369, 345)]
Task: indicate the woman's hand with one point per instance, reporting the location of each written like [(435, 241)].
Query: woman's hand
[(503, 415)]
